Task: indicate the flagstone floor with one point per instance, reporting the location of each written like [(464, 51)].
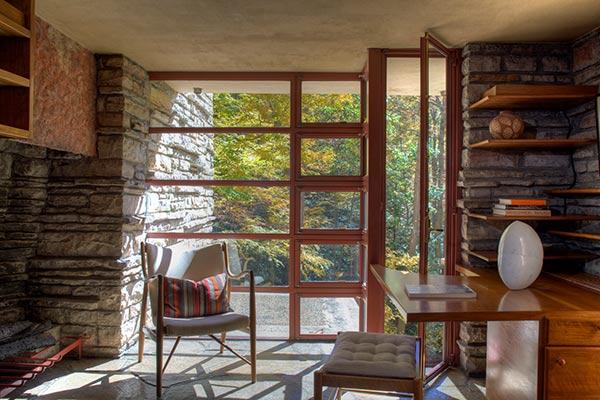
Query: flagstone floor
[(198, 371)]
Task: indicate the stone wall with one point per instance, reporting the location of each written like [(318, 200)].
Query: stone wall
[(86, 274), (488, 175), (176, 156), (586, 71), (23, 179), (72, 224)]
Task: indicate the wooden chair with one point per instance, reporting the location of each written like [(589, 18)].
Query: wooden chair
[(373, 363), (159, 262)]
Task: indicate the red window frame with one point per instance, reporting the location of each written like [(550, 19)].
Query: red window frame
[(297, 184)]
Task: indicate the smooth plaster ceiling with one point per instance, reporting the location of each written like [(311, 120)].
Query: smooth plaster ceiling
[(302, 35)]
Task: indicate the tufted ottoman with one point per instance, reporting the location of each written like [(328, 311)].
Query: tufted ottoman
[(373, 362)]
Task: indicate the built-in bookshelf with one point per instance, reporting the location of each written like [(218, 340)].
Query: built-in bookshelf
[(16, 68)]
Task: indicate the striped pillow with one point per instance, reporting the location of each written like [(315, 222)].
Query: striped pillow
[(185, 298)]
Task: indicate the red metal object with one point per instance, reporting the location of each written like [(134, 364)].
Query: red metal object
[(17, 371)]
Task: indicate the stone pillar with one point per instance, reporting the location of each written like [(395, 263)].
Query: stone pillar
[(87, 274)]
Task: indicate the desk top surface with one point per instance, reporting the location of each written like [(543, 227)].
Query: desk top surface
[(547, 297)]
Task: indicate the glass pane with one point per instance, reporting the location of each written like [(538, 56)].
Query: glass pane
[(437, 163), (328, 315), (242, 209), (329, 262), (264, 156), (331, 210), (272, 313), (269, 259), (221, 103), (434, 338), (402, 178), (333, 101), (330, 156)]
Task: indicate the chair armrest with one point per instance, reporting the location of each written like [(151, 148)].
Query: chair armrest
[(239, 276)]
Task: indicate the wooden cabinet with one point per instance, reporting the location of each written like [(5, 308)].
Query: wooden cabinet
[(573, 332), (16, 67), (572, 373)]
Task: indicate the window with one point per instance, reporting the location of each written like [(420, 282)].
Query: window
[(234, 161), (330, 156), (331, 101)]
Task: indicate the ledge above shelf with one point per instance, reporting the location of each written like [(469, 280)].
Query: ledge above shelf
[(510, 96), (574, 192), (576, 235), (550, 254), (557, 218), (531, 144), (9, 79), (9, 27)]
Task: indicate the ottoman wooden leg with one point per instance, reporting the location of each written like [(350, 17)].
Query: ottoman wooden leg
[(318, 395)]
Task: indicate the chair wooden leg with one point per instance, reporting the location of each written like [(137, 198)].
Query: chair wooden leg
[(223, 336), (318, 386), (418, 395), (253, 353), (141, 337), (159, 364)]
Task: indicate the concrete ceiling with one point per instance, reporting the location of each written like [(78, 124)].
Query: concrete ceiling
[(302, 35)]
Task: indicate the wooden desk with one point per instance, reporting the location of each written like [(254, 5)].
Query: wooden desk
[(542, 342)]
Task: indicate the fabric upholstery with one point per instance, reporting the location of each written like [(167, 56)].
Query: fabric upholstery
[(185, 298), (205, 325), (374, 355), (176, 262)]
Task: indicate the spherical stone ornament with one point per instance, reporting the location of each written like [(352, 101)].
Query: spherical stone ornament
[(507, 125), (520, 256)]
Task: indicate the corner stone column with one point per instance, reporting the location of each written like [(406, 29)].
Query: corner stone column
[(87, 270)]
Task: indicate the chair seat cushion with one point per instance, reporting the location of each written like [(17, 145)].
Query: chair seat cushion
[(205, 325), (374, 355)]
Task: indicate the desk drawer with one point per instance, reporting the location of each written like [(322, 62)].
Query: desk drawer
[(571, 373), (574, 332)]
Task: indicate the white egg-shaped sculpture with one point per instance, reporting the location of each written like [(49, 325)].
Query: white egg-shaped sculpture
[(520, 256)]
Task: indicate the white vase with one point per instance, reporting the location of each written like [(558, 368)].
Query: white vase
[(520, 256)]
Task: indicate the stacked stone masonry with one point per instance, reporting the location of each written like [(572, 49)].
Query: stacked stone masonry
[(72, 224), (488, 175)]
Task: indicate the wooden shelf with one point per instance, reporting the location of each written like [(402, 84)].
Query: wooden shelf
[(574, 192), (557, 218), (550, 254), (576, 235), (532, 144), (10, 79), (8, 27), (510, 96), (9, 131), (12, 12), (579, 279)]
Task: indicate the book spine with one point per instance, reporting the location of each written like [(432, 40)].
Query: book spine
[(523, 213), (507, 207), (523, 202)]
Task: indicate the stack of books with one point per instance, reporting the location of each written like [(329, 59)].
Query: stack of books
[(522, 208)]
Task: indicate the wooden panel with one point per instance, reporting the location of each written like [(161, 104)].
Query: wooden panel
[(572, 373), (535, 96), (532, 144), (491, 217), (494, 302), (512, 360), (12, 12), (549, 255), (575, 332), (10, 79), (576, 235), (574, 192), (8, 27)]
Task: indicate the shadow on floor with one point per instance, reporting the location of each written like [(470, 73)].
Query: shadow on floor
[(198, 371)]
